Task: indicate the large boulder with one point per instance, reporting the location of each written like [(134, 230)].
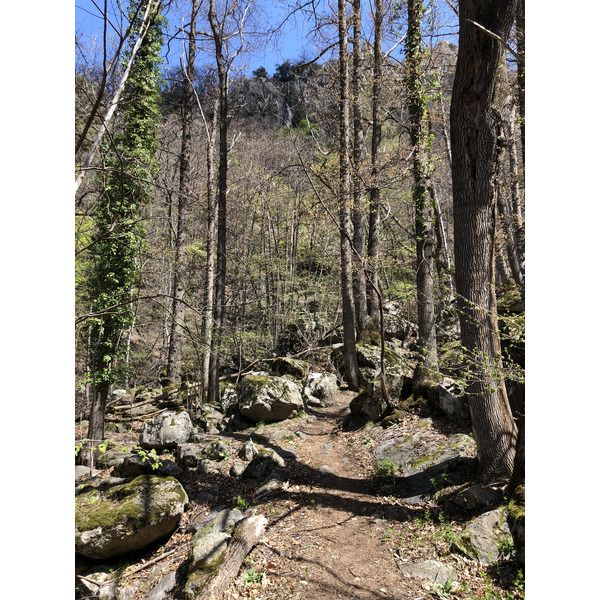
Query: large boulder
[(167, 430), (113, 517), (298, 369), (268, 398), (320, 389), (448, 397), (427, 461), (397, 366)]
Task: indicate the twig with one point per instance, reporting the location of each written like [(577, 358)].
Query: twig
[(495, 36), (150, 562)]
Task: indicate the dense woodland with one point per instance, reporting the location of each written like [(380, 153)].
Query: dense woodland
[(226, 217)]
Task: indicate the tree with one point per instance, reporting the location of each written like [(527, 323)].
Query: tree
[(131, 168), (474, 131), (375, 191), (227, 34), (352, 373), (424, 214), (359, 216), (185, 192)]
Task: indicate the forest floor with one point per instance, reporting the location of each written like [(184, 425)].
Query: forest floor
[(329, 535)]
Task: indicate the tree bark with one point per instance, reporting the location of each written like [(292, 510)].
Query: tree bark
[(474, 126), (221, 266), (207, 390), (185, 192), (359, 217), (352, 374), (374, 191), (424, 214), (245, 536)]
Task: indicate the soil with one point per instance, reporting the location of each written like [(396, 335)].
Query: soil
[(334, 529)]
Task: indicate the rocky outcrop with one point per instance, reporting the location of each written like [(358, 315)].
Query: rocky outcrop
[(268, 398), (114, 516)]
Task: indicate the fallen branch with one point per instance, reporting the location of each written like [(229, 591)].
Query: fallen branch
[(150, 562), (246, 535)]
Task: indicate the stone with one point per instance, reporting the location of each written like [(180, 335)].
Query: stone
[(429, 569), (263, 464), (425, 462), (189, 455), (484, 537), (237, 468), (217, 451), (248, 451), (167, 430), (320, 389), (112, 519), (298, 369), (448, 398), (161, 590), (133, 465), (269, 398), (81, 472)]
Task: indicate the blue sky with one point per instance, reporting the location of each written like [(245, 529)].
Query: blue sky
[(88, 22)]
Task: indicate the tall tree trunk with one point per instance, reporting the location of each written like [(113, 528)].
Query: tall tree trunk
[(211, 256), (185, 192), (474, 126), (424, 214), (520, 23), (345, 199), (374, 192), (223, 74), (359, 217)]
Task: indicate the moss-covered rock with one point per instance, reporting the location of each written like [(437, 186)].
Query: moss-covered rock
[(485, 539), (298, 369), (268, 398), (123, 517)]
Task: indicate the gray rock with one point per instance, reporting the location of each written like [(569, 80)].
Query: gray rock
[(248, 451), (429, 569), (167, 430), (217, 451), (189, 455), (298, 369), (484, 537), (320, 389), (237, 468), (476, 497), (425, 462), (448, 398), (220, 518), (209, 546), (115, 519), (81, 472), (269, 398), (133, 465), (161, 590), (263, 464), (206, 466), (325, 470)]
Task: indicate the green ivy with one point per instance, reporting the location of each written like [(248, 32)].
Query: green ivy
[(131, 169)]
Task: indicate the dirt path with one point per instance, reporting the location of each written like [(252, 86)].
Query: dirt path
[(328, 534)]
